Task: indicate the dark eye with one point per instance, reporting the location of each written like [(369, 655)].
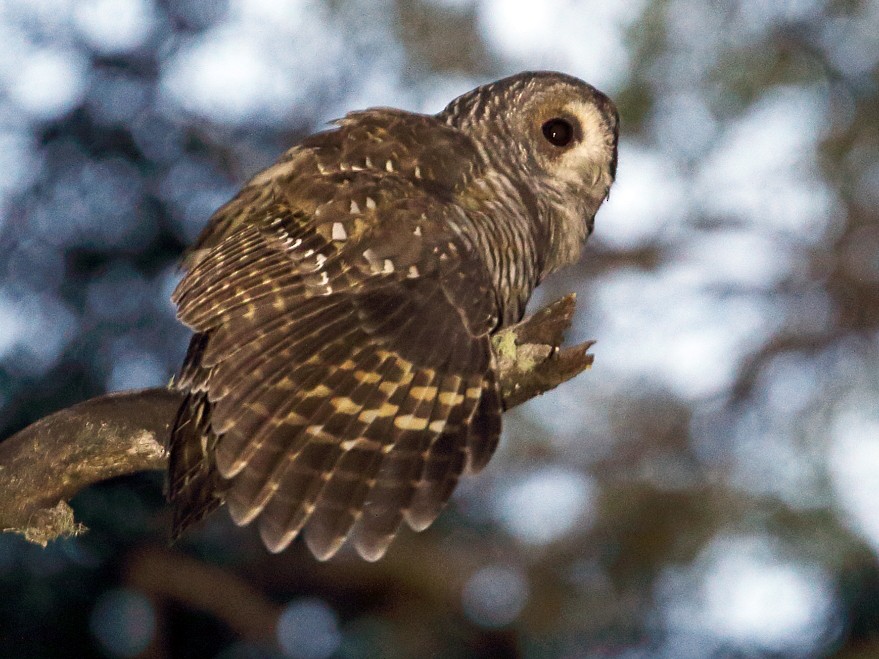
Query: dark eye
[(558, 131)]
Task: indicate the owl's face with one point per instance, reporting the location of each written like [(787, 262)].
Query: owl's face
[(555, 134), (556, 126), (572, 136)]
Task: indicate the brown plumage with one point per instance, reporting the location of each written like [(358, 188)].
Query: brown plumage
[(341, 376)]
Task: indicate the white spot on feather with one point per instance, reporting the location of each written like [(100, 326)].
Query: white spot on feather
[(370, 203), (361, 442), (339, 232), (410, 422), (389, 166), (355, 209)]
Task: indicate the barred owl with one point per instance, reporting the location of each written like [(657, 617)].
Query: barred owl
[(341, 376)]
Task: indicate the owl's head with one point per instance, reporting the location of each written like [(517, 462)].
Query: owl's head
[(555, 133)]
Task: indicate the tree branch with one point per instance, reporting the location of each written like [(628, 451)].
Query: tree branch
[(46, 464)]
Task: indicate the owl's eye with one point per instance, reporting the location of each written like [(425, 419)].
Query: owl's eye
[(558, 132)]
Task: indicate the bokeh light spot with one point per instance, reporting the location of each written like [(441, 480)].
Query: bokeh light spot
[(308, 629), (854, 468), (114, 26), (546, 504), (742, 591), (49, 82), (124, 622), (494, 596)]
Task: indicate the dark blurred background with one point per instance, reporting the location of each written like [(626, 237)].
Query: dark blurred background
[(710, 488)]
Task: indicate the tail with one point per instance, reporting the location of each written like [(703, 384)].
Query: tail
[(195, 487)]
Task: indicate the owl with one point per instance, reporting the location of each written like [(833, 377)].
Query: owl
[(341, 376)]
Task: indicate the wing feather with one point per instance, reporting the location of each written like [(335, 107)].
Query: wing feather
[(444, 462), (286, 515), (370, 462), (329, 388)]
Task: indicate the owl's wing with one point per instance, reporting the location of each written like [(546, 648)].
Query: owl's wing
[(341, 375)]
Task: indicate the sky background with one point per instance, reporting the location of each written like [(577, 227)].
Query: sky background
[(709, 488)]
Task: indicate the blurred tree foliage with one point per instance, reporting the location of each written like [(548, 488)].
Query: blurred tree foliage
[(708, 490)]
